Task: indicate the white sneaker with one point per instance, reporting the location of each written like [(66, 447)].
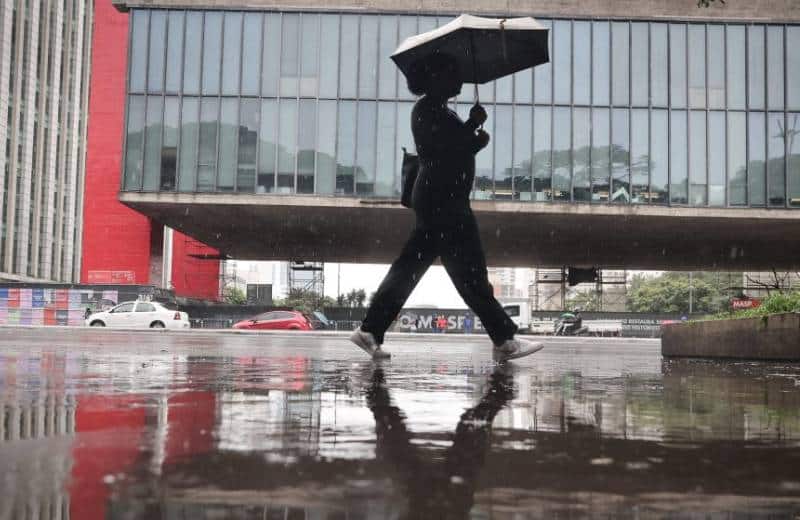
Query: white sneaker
[(366, 342), (514, 349)]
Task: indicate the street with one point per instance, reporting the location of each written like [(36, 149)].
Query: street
[(98, 423)]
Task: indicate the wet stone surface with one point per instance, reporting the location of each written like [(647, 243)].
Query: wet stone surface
[(103, 424)]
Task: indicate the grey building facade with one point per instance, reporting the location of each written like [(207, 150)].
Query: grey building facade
[(45, 50), (658, 108)]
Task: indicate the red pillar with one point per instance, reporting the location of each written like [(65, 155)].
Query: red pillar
[(116, 239)]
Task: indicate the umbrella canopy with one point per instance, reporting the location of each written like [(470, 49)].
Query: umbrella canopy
[(485, 48)]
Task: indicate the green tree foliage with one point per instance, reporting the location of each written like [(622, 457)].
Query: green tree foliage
[(354, 298), (586, 300), (670, 292), (234, 296), (775, 303), (305, 300)]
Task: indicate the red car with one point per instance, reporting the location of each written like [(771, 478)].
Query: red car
[(280, 320)]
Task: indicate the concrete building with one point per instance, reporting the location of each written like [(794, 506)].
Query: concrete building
[(660, 136), (45, 51)]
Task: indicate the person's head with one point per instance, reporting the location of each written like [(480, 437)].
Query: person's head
[(576, 310), (437, 75)]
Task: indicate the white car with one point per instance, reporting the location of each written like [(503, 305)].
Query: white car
[(140, 315)]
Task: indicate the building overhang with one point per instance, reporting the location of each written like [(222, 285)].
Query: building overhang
[(514, 234), (779, 11)]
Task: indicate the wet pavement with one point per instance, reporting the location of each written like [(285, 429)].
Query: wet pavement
[(99, 424)]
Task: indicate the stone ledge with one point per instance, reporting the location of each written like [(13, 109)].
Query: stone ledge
[(775, 337)]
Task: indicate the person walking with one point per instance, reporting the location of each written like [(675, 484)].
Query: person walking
[(445, 225)]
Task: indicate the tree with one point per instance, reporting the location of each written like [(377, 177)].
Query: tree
[(671, 292), (305, 300), (586, 300), (234, 296)]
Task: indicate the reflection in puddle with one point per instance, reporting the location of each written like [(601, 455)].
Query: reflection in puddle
[(290, 436)]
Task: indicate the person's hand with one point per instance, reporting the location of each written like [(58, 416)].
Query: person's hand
[(477, 114), (483, 138)]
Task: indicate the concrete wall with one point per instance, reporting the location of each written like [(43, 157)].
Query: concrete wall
[(775, 337), (764, 10)]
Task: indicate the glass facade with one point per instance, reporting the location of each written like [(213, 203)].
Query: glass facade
[(672, 113)]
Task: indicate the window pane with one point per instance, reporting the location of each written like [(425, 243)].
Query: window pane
[(287, 145), (542, 75), (158, 41), (139, 27), (562, 152), (757, 153), (640, 157), (640, 65), (620, 157), (793, 66), (368, 60), (271, 60), (716, 158), (697, 158), (522, 161), (677, 65), (207, 153), (365, 151), (346, 146), (484, 162), (251, 54), (523, 86), (755, 66), (659, 156), (189, 133), (620, 62), (775, 73), (267, 138), (735, 63), (581, 62), (174, 51), (408, 27), (290, 59), (561, 58), (169, 148), (152, 143), (232, 53), (306, 145), (212, 52), (658, 64), (503, 149), (776, 168), (542, 158), (329, 56), (716, 66), (601, 62), (384, 166), (134, 143), (504, 89), (192, 57), (793, 163), (228, 137), (348, 66), (601, 155), (326, 148), (697, 66), (737, 159), (248, 143), (309, 50), (678, 163), (387, 71)]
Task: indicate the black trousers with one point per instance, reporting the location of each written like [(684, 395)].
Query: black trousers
[(455, 239)]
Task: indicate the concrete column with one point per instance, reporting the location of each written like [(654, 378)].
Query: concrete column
[(5, 71), (27, 175), (71, 185), (87, 68), (49, 203)]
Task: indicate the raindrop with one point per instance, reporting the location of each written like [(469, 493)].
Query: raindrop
[(455, 479)]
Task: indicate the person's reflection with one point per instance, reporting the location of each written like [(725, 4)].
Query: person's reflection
[(436, 490)]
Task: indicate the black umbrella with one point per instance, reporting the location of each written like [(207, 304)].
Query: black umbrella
[(485, 48)]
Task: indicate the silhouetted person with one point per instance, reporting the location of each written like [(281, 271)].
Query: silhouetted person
[(438, 491), (445, 226)]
